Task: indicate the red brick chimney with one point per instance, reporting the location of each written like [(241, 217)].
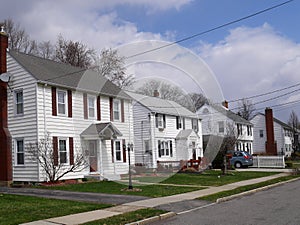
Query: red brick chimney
[(271, 146), (5, 138), (155, 93), (225, 104)]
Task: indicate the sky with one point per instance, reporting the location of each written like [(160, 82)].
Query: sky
[(254, 56)]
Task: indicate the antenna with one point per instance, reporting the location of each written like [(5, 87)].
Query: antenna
[(5, 77)]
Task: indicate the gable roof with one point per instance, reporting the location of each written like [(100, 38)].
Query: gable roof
[(184, 134), (99, 130), (284, 125), (59, 74), (162, 106), (228, 113)]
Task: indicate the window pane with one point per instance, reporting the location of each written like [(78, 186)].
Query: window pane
[(62, 151), (19, 102), (118, 150), (20, 152), (63, 157), (116, 109), (61, 102), (61, 109)]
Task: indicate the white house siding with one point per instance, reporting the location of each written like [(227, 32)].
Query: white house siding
[(24, 126)]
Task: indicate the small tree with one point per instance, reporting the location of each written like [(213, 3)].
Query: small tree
[(43, 152), (246, 109)]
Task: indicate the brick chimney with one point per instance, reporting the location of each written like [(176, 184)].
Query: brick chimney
[(271, 146), (225, 104), (5, 138), (155, 93)]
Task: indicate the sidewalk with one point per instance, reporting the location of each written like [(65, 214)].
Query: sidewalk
[(145, 203)]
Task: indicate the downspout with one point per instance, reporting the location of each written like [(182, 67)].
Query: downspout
[(37, 128)]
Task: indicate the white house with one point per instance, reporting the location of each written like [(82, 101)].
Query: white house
[(218, 120), (164, 131), (271, 136), (81, 110)]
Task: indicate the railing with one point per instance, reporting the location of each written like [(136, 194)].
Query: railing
[(269, 161)]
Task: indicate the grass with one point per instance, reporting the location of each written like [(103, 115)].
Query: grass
[(111, 187), (16, 209), (214, 197), (128, 217)]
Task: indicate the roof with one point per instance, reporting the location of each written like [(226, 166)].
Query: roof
[(284, 125), (64, 75), (184, 134), (162, 106), (231, 115), (100, 129)]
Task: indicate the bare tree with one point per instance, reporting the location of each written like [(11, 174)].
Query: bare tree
[(294, 123), (246, 109), (74, 53), (43, 152), (112, 66), (46, 50), (197, 100)]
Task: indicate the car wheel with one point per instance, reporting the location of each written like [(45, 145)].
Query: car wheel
[(237, 165)]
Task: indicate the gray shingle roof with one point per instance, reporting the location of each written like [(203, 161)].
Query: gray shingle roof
[(99, 130), (162, 106), (63, 75)]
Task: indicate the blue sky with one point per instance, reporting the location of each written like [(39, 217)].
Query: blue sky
[(251, 57)]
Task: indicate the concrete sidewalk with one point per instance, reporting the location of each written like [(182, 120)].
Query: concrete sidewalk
[(145, 203)]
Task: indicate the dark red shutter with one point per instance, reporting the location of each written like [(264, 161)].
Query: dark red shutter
[(159, 149), (85, 109), (98, 108), (124, 150), (111, 108), (112, 151), (54, 105), (55, 151), (70, 112), (71, 147), (183, 123), (122, 111), (164, 120)]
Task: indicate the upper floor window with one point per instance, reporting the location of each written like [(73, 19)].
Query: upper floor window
[(239, 129), (160, 120), (221, 126), (261, 133), (180, 122), (19, 107), (249, 130), (62, 151), (91, 106), (61, 102), (195, 125), (116, 109), (20, 152)]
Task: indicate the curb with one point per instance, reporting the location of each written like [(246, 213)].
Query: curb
[(153, 219), (227, 198)]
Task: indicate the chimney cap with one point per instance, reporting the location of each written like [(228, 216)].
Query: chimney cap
[(2, 30)]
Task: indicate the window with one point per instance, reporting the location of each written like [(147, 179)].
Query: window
[(178, 122), (160, 120), (165, 148), (118, 150), (19, 108), (239, 129), (116, 109), (61, 102), (20, 151), (62, 151), (221, 127), (147, 147), (249, 130), (261, 133), (91, 104), (195, 125)]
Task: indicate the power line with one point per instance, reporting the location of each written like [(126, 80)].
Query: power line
[(212, 29)]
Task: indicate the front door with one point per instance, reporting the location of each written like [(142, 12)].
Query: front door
[(93, 156)]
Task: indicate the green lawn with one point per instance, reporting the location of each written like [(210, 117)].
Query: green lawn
[(111, 187), (16, 209)]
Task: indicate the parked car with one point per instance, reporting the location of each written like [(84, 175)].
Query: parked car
[(241, 159)]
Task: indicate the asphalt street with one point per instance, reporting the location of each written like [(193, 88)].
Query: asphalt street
[(278, 205)]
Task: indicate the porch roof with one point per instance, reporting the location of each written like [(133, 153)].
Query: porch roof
[(102, 130), (184, 134)]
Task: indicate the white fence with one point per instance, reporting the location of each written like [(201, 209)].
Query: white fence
[(269, 161)]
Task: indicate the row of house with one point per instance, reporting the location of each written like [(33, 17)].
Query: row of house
[(83, 112)]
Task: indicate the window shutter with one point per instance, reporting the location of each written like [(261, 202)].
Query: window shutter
[(111, 108), (54, 105), (124, 150), (171, 149), (156, 120), (177, 122), (164, 119), (98, 108), (183, 123), (122, 111), (159, 149), (71, 147), (55, 151), (112, 151), (85, 109), (70, 104)]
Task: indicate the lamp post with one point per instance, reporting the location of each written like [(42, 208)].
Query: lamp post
[(129, 148)]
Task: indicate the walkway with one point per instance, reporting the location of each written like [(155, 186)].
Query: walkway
[(131, 204)]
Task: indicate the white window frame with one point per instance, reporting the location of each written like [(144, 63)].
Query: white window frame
[(160, 121), (18, 152), (118, 151), (221, 127), (165, 150), (91, 107), (65, 103), (66, 150), (16, 103), (116, 109)]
